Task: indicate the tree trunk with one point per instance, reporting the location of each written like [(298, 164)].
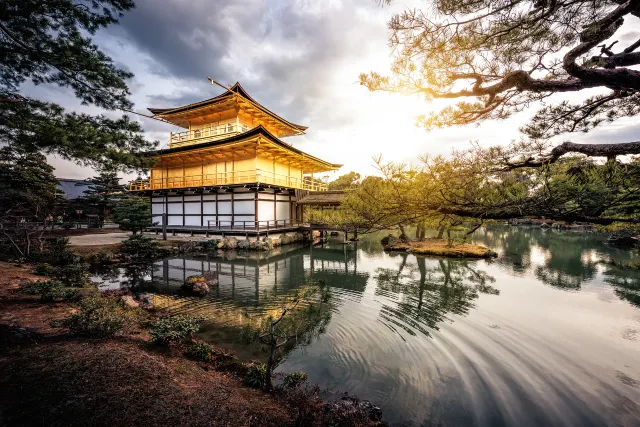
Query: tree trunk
[(268, 384), (403, 235), (441, 232)]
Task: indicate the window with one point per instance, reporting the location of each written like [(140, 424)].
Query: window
[(197, 134), (245, 128), (229, 127)]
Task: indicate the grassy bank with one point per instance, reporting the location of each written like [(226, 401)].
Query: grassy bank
[(440, 247)]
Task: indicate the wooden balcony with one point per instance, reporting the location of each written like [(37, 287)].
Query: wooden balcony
[(212, 133), (228, 178)]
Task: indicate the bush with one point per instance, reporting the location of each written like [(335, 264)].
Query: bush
[(44, 269), (54, 251), (75, 274), (167, 330), (294, 379), (49, 290), (139, 248), (256, 375), (100, 258), (199, 351), (99, 317)]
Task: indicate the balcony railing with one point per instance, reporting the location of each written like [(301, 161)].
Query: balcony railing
[(206, 134), (228, 178)]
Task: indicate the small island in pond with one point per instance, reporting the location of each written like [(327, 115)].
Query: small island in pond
[(437, 247)]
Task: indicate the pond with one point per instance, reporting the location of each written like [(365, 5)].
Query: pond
[(543, 335)]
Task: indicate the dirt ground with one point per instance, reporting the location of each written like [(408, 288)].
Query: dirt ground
[(54, 379)]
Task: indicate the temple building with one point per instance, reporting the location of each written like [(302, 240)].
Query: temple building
[(229, 169)]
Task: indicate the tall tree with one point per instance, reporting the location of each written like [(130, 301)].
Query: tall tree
[(103, 193), (27, 197), (505, 55), (47, 42)]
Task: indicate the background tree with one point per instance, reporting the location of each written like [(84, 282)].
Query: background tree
[(48, 42), (507, 55), (102, 194), (27, 198), (133, 214), (345, 182)]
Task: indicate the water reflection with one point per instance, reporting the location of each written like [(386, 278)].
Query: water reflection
[(424, 291), (545, 334)]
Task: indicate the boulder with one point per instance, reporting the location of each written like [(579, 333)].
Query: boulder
[(243, 244), (230, 243), (285, 239), (200, 285), (390, 241), (129, 301)]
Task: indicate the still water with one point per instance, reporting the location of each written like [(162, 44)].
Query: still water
[(545, 335)]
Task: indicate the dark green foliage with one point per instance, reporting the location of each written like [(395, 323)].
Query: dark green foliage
[(168, 330), (133, 214), (294, 379), (27, 197), (199, 351), (50, 290), (75, 274), (99, 317), (48, 43), (27, 184), (103, 193), (55, 251), (100, 258), (256, 375), (139, 247), (44, 269)]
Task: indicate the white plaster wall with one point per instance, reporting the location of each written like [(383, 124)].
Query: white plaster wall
[(244, 207), (175, 208), (192, 220), (192, 208), (174, 220), (283, 210), (265, 210), (209, 207), (157, 208)]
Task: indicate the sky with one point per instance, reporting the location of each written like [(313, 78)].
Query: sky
[(299, 58)]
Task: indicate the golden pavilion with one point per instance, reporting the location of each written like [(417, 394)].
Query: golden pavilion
[(229, 168)]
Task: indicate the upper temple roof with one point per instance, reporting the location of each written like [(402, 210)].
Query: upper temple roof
[(235, 98)]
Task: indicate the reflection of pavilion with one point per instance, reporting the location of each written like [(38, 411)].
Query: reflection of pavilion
[(243, 279)]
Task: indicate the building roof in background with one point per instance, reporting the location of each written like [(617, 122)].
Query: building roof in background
[(322, 198), (72, 188)]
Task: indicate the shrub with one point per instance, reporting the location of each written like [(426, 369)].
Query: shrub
[(100, 258), (99, 317), (49, 290), (44, 269), (54, 251), (75, 274), (256, 375), (167, 330), (139, 248), (294, 379), (199, 351)]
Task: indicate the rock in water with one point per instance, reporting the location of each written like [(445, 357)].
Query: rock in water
[(390, 241), (200, 285)]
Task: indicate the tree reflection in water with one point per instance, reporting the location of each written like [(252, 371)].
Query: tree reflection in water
[(426, 295), (571, 259)]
